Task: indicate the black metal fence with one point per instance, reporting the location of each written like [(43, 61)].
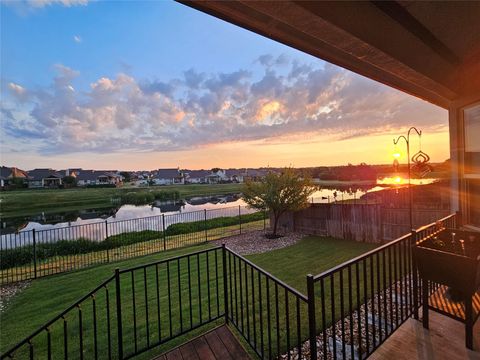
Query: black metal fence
[(270, 315), (349, 310), (356, 306), (35, 253)]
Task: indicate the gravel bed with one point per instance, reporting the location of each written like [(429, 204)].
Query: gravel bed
[(366, 311), (255, 242), (7, 292)]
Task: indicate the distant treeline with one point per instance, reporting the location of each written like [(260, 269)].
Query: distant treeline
[(363, 171)]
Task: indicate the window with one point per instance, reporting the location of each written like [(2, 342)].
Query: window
[(472, 163), (472, 140)]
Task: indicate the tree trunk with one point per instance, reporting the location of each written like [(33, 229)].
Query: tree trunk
[(275, 223)]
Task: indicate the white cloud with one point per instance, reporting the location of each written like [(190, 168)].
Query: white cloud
[(17, 89), (122, 113), (25, 7), (44, 3), (77, 39)]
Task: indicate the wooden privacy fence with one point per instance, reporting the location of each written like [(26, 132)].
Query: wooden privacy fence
[(361, 222)]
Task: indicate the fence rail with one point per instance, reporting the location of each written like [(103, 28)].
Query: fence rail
[(348, 312), (35, 253)]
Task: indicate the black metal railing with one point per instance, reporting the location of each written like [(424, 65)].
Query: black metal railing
[(348, 312), (133, 311), (269, 314), (29, 254), (355, 306)]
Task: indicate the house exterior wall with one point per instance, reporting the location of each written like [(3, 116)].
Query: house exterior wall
[(461, 193)]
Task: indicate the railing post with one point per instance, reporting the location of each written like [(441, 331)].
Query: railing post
[(119, 313), (106, 236), (163, 233), (205, 222), (239, 219), (311, 317), (34, 254), (413, 242), (225, 287)]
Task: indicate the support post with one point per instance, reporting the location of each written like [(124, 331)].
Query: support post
[(119, 313), (311, 317), (239, 219), (34, 254), (468, 321), (413, 242), (225, 287), (163, 233), (425, 303)]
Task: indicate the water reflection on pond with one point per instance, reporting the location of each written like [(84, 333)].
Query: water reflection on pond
[(126, 212)]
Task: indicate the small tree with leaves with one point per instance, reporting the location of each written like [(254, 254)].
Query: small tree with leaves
[(278, 193)]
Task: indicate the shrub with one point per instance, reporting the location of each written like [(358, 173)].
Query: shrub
[(24, 255), (202, 225)]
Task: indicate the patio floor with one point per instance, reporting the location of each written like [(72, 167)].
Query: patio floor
[(217, 344), (444, 341)]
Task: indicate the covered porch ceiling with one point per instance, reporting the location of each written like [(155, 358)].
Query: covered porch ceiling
[(425, 48)]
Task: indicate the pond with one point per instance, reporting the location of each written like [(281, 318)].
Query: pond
[(42, 221)]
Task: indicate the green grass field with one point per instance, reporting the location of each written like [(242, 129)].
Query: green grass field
[(33, 202), (55, 293)]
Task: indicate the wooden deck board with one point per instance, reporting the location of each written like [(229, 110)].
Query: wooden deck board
[(440, 301), (218, 344), (444, 341)]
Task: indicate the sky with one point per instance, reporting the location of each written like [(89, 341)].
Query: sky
[(152, 84)]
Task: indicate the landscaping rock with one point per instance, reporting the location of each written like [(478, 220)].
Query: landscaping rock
[(7, 292), (255, 242)]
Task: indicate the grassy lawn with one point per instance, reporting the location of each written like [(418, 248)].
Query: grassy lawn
[(53, 294), (33, 202)]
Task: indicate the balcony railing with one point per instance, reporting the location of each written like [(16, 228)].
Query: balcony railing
[(348, 312)]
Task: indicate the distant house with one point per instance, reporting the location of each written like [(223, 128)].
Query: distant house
[(168, 177), (98, 177), (235, 175), (44, 178), (9, 173), (196, 176), (217, 176), (255, 174)]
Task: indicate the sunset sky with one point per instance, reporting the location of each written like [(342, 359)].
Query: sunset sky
[(146, 85)]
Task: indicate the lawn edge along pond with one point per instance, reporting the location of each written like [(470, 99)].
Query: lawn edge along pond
[(28, 202), (53, 294)]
